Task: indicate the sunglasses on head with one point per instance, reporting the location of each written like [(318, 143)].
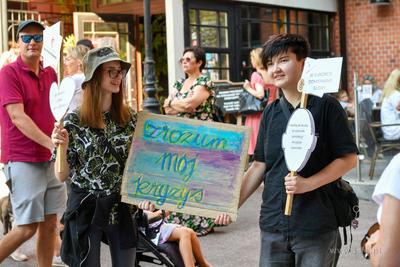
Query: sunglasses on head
[(27, 38), (371, 230), (114, 73), (368, 77), (187, 59)]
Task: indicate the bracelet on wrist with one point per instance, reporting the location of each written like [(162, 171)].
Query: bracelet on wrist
[(169, 103)]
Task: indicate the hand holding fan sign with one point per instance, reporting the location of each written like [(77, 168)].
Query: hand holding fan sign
[(60, 98), (319, 76)]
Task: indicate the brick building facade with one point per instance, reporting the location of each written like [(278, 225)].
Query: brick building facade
[(372, 39)]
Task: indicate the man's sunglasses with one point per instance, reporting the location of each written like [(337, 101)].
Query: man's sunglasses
[(188, 59), (368, 77), (27, 38), (371, 230), (114, 73)]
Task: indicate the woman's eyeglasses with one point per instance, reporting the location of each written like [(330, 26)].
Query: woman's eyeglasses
[(114, 73), (188, 59), (27, 38), (371, 230)]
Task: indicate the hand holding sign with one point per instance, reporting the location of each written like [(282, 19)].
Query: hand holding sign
[(298, 142), (319, 76), (60, 98)]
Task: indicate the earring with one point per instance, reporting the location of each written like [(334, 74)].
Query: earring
[(79, 67)]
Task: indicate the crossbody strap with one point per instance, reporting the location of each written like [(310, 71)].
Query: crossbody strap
[(104, 140), (284, 108)]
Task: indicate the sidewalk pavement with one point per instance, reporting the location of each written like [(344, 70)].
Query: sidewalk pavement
[(238, 244)]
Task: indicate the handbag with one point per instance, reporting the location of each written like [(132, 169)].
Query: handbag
[(249, 104)]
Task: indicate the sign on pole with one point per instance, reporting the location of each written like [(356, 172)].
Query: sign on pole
[(319, 76), (186, 165), (52, 41)]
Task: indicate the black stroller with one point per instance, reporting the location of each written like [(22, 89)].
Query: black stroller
[(149, 252)]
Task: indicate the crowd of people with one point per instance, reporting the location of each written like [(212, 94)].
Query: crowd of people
[(91, 181)]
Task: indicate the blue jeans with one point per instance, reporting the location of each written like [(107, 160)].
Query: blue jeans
[(300, 251)]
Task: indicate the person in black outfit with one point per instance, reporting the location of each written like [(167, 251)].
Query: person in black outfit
[(309, 235)]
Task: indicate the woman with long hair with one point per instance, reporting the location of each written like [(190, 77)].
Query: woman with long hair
[(259, 86), (390, 98), (97, 138)]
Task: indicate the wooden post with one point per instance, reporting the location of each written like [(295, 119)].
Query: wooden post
[(60, 74), (289, 198)]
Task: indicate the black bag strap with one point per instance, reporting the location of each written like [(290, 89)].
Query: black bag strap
[(284, 108), (105, 141)]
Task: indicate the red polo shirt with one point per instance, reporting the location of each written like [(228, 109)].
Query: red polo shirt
[(19, 84)]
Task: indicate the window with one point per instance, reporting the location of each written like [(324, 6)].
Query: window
[(259, 23), (209, 30), (94, 31)]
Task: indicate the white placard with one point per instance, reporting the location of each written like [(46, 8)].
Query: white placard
[(321, 76), (60, 98), (52, 41), (367, 90), (299, 140)]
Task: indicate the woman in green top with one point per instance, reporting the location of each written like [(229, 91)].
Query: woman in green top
[(192, 98), (94, 204)]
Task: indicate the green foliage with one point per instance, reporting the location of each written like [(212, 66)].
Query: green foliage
[(158, 45), (68, 42)]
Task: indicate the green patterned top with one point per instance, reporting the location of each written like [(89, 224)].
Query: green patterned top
[(95, 168), (205, 110)]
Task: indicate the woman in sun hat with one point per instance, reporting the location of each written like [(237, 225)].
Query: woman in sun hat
[(94, 205)]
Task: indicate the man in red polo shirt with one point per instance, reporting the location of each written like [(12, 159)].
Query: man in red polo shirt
[(26, 125)]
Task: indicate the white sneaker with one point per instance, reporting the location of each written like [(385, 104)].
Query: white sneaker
[(17, 255), (57, 261)]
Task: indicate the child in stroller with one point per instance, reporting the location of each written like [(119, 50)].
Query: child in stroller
[(188, 242)]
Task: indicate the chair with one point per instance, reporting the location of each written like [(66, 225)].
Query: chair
[(381, 144)]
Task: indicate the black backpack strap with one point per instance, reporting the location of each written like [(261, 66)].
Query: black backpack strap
[(104, 140), (284, 108)]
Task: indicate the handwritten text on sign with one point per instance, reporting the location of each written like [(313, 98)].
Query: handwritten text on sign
[(185, 165), (298, 142)]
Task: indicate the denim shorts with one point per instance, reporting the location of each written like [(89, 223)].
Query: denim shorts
[(35, 191), (300, 251)]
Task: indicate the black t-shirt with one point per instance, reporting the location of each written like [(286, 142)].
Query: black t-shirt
[(312, 212)]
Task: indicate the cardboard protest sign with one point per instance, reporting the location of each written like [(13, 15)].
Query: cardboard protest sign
[(321, 76), (186, 165), (60, 98), (52, 41)]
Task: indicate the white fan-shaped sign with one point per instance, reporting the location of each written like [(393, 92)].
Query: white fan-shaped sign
[(299, 140), (60, 98)]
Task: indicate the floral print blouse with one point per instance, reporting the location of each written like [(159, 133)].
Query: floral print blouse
[(205, 110)]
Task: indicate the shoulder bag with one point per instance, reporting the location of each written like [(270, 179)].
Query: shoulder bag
[(249, 104)]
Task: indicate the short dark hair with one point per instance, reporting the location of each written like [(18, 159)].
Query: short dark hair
[(85, 42), (298, 44), (199, 54)]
